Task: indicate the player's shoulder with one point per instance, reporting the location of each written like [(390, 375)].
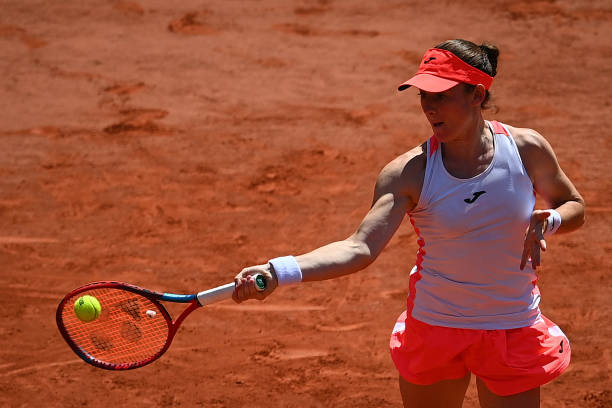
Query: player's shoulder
[(528, 139), (406, 163), (405, 172), (534, 149)]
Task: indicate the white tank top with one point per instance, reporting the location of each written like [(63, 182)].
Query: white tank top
[(471, 234)]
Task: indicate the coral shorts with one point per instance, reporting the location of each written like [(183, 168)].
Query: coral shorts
[(508, 361)]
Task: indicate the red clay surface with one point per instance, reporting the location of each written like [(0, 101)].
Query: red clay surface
[(170, 145)]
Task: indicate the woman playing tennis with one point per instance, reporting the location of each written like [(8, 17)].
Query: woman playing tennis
[(469, 191)]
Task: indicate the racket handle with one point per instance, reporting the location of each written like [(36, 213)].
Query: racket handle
[(223, 292)]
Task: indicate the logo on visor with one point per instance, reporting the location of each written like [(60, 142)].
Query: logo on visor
[(429, 60)]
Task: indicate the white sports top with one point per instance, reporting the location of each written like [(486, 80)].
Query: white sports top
[(471, 234)]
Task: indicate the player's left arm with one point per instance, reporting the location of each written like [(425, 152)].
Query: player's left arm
[(554, 186)]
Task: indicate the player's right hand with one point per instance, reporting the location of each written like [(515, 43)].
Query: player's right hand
[(245, 284)]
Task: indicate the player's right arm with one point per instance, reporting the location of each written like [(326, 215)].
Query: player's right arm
[(397, 191)]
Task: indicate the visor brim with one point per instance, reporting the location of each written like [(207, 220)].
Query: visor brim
[(428, 83)]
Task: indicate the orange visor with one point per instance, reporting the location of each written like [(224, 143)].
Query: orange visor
[(440, 70)]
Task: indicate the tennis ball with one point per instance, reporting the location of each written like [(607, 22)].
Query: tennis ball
[(87, 308)]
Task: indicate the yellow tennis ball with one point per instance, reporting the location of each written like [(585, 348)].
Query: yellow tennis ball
[(87, 308)]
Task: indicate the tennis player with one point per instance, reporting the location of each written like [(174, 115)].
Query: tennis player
[(469, 191)]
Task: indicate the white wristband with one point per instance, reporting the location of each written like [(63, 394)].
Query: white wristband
[(553, 222), (287, 270)]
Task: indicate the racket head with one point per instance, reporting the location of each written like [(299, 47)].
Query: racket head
[(132, 330)]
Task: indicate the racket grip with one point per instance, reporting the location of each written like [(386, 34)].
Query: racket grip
[(223, 292), (217, 294)]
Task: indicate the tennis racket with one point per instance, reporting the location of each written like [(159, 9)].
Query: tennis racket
[(133, 328)]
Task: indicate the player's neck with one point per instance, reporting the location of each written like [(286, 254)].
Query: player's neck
[(472, 145)]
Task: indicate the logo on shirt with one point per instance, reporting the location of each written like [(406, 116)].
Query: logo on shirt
[(476, 195), (429, 60)]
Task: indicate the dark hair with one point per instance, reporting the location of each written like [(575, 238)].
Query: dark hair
[(484, 57)]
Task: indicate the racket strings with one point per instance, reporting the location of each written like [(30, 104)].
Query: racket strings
[(130, 329)]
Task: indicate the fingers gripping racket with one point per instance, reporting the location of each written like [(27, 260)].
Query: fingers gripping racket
[(133, 328)]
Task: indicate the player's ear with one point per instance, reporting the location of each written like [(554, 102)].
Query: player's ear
[(479, 95)]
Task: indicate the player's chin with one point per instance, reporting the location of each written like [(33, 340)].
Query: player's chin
[(440, 131)]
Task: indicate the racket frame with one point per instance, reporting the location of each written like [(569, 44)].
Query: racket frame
[(154, 297), (194, 302)]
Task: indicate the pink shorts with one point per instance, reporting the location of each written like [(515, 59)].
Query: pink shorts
[(508, 361)]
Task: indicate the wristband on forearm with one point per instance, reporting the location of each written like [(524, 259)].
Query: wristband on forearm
[(553, 222), (286, 269)]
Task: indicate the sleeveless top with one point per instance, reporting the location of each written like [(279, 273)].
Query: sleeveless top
[(470, 235)]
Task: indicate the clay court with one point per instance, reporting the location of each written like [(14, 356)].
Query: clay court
[(171, 145)]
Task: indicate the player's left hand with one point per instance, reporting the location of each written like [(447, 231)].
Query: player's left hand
[(534, 239)]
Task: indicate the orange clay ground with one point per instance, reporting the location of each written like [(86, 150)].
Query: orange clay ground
[(170, 145)]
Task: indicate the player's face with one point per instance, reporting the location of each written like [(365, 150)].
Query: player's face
[(448, 112)]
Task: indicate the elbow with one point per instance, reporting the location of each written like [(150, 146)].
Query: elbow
[(362, 254), (578, 215), (582, 218)]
